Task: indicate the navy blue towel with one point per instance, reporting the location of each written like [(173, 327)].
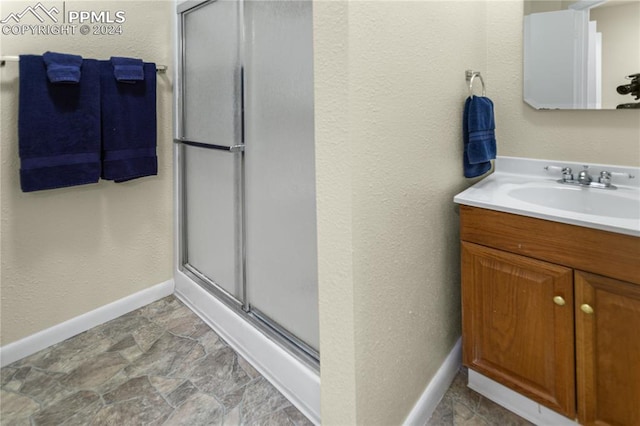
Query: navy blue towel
[(128, 125), (58, 127), (127, 69), (478, 129), (62, 68)]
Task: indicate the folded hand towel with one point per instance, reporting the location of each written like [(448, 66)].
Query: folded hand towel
[(62, 68), (479, 136), (59, 127), (128, 125), (127, 69)]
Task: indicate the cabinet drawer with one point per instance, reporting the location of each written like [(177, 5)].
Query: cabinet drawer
[(591, 250)]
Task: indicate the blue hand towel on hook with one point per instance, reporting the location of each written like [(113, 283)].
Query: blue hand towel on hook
[(62, 68), (128, 125), (58, 127), (478, 128)]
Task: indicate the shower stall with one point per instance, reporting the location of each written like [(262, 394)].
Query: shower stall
[(245, 184)]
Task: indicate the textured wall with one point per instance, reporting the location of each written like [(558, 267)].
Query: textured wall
[(609, 137), (396, 164), (334, 213), (68, 251)]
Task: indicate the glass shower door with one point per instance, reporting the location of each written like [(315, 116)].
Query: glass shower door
[(211, 137), (212, 74), (281, 258)]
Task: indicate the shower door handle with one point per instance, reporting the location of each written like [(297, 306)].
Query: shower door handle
[(232, 148)]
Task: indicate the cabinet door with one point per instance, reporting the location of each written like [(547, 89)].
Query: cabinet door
[(607, 350), (513, 330)]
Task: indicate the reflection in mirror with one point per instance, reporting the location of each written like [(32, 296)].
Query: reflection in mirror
[(582, 54)]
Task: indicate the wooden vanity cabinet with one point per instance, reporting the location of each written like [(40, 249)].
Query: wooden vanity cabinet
[(552, 311)]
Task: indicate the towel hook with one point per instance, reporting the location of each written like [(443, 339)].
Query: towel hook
[(470, 75)]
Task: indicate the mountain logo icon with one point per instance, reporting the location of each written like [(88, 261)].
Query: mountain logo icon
[(38, 11)]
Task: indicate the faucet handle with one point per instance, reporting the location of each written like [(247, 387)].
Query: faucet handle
[(567, 174), (625, 175), (605, 178)]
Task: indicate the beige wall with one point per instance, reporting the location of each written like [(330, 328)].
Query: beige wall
[(390, 87), (334, 212), (68, 251)]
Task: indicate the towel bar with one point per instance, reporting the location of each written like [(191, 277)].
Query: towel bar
[(4, 59), (232, 148), (470, 75)]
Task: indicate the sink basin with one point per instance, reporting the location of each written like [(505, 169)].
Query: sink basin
[(530, 187), (591, 201)]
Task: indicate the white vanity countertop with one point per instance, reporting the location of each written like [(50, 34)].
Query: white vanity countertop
[(523, 186)]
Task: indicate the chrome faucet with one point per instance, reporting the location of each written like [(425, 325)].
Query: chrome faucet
[(584, 178)]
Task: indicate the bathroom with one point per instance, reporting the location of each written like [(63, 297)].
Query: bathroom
[(389, 88)]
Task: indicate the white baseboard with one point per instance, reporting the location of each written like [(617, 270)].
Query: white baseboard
[(513, 401), (297, 382), (52, 335), (436, 388)]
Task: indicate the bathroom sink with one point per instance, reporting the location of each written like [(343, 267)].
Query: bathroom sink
[(530, 187), (599, 202)]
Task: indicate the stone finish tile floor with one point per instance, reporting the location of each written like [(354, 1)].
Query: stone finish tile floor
[(158, 365), (463, 406)]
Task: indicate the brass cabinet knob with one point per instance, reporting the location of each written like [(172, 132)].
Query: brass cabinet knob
[(559, 300), (586, 309)]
